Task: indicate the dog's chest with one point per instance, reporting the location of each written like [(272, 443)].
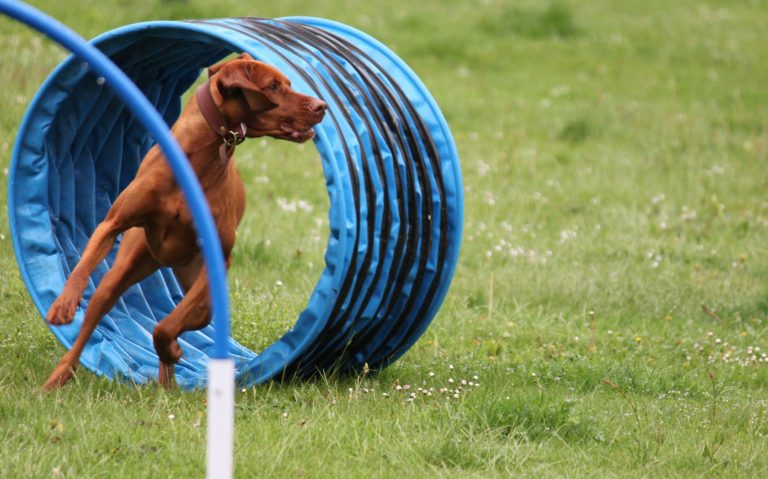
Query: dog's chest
[(171, 235)]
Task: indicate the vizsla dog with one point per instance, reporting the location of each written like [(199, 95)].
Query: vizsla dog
[(243, 98)]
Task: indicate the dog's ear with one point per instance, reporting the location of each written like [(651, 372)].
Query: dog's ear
[(243, 75), (214, 69), (256, 101)]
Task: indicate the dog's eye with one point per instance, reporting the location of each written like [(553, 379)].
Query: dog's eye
[(274, 87)]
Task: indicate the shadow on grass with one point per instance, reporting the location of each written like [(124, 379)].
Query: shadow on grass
[(529, 415), (554, 21), (576, 131)]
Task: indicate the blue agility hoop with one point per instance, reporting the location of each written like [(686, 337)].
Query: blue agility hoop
[(30, 217), (391, 169)]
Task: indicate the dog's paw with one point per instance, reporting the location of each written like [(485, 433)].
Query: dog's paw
[(168, 351), (62, 311), (166, 346), (59, 377), (166, 376)]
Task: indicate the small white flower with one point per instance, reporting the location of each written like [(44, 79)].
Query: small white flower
[(483, 168)]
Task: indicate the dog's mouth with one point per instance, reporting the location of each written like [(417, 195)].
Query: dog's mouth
[(291, 133)]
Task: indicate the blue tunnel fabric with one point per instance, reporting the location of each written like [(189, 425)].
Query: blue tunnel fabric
[(392, 175)]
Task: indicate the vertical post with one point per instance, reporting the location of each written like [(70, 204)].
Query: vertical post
[(221, 418)]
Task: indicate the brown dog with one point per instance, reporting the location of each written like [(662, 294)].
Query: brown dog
[(243, 98)]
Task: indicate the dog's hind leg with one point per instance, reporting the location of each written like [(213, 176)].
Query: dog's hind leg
[(132, 263)]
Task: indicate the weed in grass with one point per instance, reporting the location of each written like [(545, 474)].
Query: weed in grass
[(490, 298), (592, 348), (647, 441), (716, 437)]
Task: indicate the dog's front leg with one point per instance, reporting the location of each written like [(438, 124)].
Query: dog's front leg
[(133, 263), (62, 311), (130, 209), (192, 313), (127, 211)]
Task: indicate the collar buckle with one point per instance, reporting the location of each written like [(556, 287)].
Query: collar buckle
[(233, 138)]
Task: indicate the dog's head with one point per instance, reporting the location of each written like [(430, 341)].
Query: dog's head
[(260, 96)]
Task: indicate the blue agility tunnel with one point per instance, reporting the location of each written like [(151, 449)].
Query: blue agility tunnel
[(391, 169)]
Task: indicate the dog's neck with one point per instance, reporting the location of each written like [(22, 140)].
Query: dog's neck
[(200, 144), (232, 133)]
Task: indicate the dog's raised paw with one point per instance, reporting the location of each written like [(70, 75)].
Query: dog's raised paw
[(62, 311)]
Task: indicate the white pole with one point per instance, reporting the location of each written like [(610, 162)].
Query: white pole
[(221, 418)]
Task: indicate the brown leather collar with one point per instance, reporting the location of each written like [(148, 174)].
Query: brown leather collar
[(231, 136)]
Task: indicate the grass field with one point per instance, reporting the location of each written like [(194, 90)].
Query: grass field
[(610, 307)]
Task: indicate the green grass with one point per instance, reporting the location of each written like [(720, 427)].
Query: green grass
[(614, 159)]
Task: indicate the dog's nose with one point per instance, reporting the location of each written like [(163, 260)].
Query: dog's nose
[(318, 106)]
